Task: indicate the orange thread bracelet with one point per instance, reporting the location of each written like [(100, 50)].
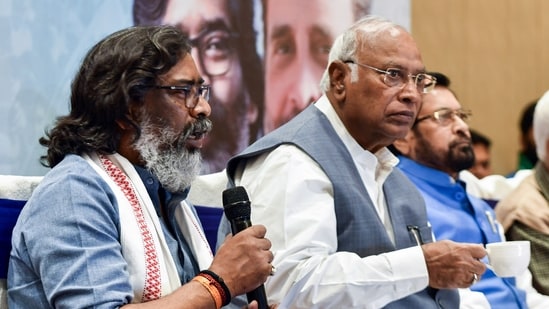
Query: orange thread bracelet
[(212, 289), (219, 283)]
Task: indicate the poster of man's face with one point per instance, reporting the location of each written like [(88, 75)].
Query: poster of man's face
[(223, 37), (296, 51)]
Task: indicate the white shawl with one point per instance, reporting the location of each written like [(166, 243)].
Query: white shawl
[(151, 268)]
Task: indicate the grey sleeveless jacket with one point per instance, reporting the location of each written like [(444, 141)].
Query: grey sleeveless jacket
[(359, 228)]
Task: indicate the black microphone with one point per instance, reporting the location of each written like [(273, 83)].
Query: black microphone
[(237, 208)]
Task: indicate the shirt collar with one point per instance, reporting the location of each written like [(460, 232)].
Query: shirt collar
[(424, 172)]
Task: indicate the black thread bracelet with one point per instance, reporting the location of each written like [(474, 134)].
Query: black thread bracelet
[(221, 282)]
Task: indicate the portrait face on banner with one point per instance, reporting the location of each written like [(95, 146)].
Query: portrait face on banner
[(224, 48), (298, 37)]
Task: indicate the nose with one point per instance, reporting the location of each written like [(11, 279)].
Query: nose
[(410, 94), (305, 91), (202, 108), (460, 126)]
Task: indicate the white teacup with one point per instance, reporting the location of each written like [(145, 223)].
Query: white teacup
[(508, 258)]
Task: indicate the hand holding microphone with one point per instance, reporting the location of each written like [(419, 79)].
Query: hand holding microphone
[(237, 208), (243, 261)]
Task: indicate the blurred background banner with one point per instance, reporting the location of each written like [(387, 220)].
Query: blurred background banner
[(43, 42), (41, 46)]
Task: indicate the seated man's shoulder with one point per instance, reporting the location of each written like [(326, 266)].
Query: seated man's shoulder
[(71, 169)]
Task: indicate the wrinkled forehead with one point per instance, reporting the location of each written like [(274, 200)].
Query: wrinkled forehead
[(184, 72), (393, 47)]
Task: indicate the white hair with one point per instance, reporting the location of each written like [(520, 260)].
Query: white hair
[(541, 125), (345, 47)]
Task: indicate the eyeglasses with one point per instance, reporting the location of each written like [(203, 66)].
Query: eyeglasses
[(216, 49), (190, 94), (445, 116), (393, 77)]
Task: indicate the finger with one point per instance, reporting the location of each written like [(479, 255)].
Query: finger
[(259, 230), (478, 267), (252, 305), (545, 228), (477, 251), (265, 244), (540, 223)]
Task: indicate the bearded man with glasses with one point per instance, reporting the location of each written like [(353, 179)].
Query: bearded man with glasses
[(224, 45), (110, 226), (432, 154)]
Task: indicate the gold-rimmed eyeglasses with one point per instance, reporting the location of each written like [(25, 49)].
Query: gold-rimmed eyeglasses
[(393, 77), (445, 116)]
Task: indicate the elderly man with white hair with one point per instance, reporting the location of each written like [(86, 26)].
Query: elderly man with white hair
[(524, 213)]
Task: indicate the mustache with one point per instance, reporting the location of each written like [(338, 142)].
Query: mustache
[(461, 142), (197, 129), (462, 138)]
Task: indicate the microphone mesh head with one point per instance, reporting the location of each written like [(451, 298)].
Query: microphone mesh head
[(233, 195), (236, 203)]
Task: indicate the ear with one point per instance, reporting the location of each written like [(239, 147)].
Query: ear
[(133, 115), (123, 124), (405, 145), (127, 137), (338, 72)]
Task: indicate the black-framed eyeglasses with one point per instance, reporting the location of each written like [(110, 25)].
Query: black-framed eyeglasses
[(393, 77), (216, 49), (445, 116), (190, 94)]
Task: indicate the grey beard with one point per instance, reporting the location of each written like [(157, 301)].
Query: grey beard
[(174, 165)]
